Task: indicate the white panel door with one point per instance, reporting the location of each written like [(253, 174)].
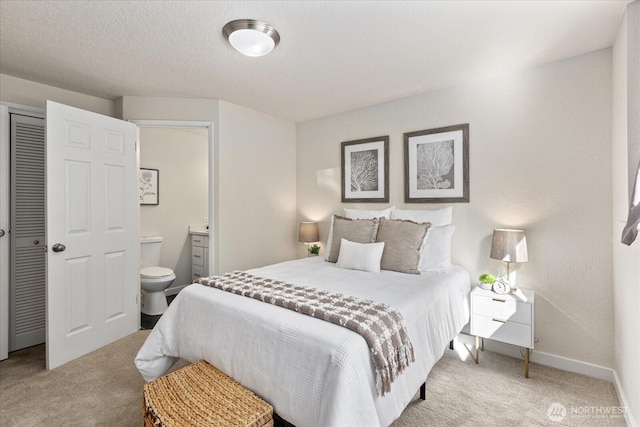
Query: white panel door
[(92, 232)]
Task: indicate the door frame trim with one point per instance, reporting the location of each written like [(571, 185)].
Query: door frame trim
[(211, 138), (26, 110)]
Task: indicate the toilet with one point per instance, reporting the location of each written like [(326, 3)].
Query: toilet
[(153, 279)]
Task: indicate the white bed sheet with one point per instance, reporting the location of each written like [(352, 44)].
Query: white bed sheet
[(313, 372)]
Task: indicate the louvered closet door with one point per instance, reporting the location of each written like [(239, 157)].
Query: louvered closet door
[(28, 249)]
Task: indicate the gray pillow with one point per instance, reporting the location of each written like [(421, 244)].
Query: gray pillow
[(354, 230), (402, 242)]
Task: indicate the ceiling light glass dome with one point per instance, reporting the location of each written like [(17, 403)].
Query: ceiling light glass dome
[(251, 37)]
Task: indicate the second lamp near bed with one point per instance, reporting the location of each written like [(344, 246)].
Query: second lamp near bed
[(308, 233)]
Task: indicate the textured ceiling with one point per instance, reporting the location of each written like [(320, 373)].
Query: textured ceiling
[(334, 56)]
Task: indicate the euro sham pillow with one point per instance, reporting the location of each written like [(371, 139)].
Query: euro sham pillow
[(354, 230), (436, 217), (435, 254), (403, 240), (360, 256), (356, 214)]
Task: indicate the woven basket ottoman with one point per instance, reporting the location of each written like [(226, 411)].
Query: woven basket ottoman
[(201, 395)]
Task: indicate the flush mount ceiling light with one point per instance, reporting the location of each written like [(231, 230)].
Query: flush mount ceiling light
[(251, 37)]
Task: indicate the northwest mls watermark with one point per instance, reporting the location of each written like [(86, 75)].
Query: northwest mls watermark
[(558, 412)]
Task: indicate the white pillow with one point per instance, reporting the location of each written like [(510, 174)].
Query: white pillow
[(327, 250), (368, 214), (360, 256), (435, 254), (356, 214), (435, 217)]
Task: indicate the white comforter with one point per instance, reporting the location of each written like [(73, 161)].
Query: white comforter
[(314, 373)]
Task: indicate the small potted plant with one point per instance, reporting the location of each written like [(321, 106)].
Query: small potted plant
[(486, 281), (314, 250)]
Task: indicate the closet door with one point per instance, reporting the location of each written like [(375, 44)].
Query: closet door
[(28, 249)]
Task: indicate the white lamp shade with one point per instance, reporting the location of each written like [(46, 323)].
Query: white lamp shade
[(308, 232), (509, 245)]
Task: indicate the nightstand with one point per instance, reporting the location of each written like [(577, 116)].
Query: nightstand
[(506, 318)]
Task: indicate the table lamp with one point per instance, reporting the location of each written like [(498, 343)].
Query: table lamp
[(509, 246), (308, 233)]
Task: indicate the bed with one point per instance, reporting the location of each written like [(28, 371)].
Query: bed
[(313, 372)]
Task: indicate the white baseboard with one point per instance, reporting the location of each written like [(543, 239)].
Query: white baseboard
[(554, 361), (628, 416), (563, 363)]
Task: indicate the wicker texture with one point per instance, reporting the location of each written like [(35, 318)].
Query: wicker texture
[(201, 395)]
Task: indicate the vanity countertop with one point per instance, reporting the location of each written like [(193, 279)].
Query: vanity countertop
[(199, 230)]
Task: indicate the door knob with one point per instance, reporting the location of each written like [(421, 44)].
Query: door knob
[(1, 233), (58, 247)]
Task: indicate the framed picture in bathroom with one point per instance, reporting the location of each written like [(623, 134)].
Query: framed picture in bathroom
[(148, 190)]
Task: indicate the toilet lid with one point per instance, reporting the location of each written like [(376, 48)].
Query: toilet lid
[(155, 272)]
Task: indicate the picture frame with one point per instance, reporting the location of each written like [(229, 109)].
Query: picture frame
[(436, 165), (148, 186), (365, 170)]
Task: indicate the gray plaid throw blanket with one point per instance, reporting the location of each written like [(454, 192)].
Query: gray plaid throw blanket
[(381, 326)]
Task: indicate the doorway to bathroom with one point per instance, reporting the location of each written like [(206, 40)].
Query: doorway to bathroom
[(177, 157)]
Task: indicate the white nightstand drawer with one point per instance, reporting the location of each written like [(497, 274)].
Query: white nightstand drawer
[(497, 329), (502, 308)]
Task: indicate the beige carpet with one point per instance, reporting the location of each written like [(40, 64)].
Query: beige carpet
[(104, 389)]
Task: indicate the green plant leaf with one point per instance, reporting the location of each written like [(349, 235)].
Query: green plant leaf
[(486, 278)]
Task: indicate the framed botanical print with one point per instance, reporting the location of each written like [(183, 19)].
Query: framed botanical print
[(365, 170), (436, 165), (148, 190)]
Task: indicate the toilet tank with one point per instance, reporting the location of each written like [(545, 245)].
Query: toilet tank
[(150, 251)]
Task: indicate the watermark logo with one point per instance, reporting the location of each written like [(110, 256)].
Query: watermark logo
[(556, 412)]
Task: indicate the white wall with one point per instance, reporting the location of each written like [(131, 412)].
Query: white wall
[(25, 92), (180, 155), (540, 159), (626, 259), (257, 188)]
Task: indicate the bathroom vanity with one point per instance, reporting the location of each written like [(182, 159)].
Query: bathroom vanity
[(199, 251)]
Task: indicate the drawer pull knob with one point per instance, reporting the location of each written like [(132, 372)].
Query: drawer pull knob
[(499, 320), (196, 256), (499, 300)]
